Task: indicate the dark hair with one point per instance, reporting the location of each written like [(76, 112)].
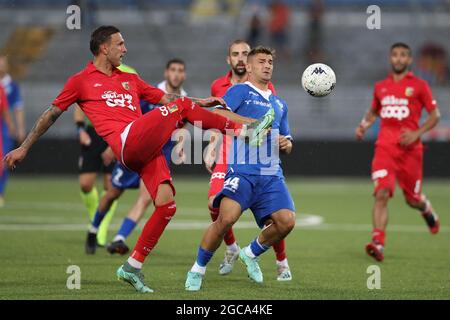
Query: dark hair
[(238, 41), (100, 36), (401, 45), (174, 60), (261, 49)]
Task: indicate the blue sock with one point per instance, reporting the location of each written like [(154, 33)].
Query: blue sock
[(98, 218), (258, 248), (126, 228), (203, 257)]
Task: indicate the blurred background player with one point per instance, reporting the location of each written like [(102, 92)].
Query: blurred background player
[(95, 157), (15, 103), (123, 178), (258, 186), (237, 59), (398, 101)]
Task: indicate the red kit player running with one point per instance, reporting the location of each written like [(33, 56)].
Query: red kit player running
[(398, 101), (237, 60), (110, 99)]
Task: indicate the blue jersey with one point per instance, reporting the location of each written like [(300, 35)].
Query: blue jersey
[(15, 102), (248, 101)]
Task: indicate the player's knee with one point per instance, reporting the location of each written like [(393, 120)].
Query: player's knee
[(413, 203), (285, 222), (86, 187), (225, 222), (382, 196)]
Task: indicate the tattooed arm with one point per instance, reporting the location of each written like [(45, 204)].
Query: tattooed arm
[(44, 122)]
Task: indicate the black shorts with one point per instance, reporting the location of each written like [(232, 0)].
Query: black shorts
[(91, 156)]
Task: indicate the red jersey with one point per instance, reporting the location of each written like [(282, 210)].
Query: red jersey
[(110, 102), (3, 99), (220, 86), (399, 106)]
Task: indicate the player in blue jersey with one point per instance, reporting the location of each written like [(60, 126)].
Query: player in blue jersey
[(122, 178), (15, 103), (254, 179)]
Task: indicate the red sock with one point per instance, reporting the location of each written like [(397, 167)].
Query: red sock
[(153, 230), (194, 113), (378, 235), (280, 250)]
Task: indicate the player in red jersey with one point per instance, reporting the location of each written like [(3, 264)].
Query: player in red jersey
[(237, 59), (110, 99), (398, 101), (6, 115)]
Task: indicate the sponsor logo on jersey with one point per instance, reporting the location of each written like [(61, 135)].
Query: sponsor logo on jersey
[(114, 99), (379, 174), (97, 85), (394, 107), (172, 108), (258, 103)]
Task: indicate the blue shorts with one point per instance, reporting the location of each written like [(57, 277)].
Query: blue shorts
[(123, 178), (263, 195)]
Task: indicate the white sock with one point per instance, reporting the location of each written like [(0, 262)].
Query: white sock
[(118, 238), (134, 263), (233, 247), (93, 229), (283, 263), (198, 268), (248, 251)]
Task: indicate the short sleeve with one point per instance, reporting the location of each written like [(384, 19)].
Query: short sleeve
[(213, 89), (147, 92), (68, 95), (3, 99), (376, 105), (234, 97), (426, 97), (284, 123)]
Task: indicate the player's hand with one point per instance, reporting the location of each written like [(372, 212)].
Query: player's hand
[(85, 139), (179, 149), (408, 136), (210, 160), (359, 132), (108, 156), (284, 143), (211, 102), (14, 157)]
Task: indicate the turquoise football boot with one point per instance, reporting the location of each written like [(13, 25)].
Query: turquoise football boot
[(135, 279)]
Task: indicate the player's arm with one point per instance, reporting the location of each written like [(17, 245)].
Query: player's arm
[(233, 116), (79, 118), (202, 102), (409, 136), (19, 115), (284, 138), (285, 144), (366, 122), (45, 121), (6, 114)]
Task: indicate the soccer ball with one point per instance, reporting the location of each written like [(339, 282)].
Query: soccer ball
[(318, 80)]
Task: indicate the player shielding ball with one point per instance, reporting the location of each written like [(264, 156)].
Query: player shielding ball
[(253, 181), (110, 99), (398, 101), (237, 55)]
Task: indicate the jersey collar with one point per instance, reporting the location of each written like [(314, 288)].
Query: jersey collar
[(410, 74), (162, 86), (91, 68), (6, 81), (265, 94)]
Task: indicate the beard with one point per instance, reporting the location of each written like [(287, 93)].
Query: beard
[(399, 70), (239, 69)]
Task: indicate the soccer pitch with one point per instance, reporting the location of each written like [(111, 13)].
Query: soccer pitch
[(43, 228)]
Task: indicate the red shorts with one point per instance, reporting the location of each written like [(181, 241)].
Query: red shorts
[(217, 179), (142, 151), (391, 164)]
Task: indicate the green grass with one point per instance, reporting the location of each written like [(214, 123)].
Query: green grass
[(42, 233)]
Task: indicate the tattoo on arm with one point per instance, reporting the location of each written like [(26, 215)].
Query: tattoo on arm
[(44, 122)]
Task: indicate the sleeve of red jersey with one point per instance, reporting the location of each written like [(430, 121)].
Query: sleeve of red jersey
[(376, 105), (148, 93), (3, 99), (426, 98), (68, 95)]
